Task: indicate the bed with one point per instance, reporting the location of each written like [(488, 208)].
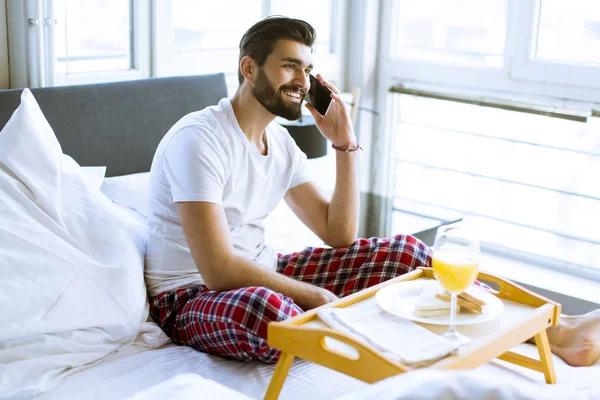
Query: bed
[(112, 130)]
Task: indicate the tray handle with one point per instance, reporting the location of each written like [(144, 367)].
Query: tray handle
[(362, 362)]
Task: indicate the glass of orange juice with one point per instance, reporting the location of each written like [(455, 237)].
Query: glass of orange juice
[(455, 262)]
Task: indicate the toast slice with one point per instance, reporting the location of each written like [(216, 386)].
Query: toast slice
[(427, 305), (433, 312), (463, 302), (469, 297)]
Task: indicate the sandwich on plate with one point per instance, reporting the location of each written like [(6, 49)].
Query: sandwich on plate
[(428, 305), (465, 300), (434, 301)]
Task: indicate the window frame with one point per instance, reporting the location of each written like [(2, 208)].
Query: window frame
[(4, 66), (525, 66), (31, 47)]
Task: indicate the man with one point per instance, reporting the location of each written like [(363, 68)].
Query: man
[(217, 173)]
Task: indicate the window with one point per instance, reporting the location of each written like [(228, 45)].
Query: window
[(464, 32), (199, 26), (569, 34), (203, 37), (548, 48), (528, 181), (92, 36), (561, 43), (63, 42)]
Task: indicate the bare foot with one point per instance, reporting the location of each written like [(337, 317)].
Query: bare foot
[(577, 339)]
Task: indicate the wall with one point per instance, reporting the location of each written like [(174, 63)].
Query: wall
[(4, 77)]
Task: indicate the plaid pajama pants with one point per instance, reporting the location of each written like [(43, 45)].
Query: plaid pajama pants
[(233, 324)]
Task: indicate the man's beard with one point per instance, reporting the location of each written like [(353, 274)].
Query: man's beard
[(272, 99)]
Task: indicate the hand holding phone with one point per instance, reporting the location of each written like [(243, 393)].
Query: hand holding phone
[(318, 96), (336, 126)]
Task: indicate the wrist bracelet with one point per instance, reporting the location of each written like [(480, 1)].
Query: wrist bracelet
[(347, 149)]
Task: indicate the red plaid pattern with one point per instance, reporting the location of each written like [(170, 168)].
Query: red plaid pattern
[(367, 262), (233, 324)]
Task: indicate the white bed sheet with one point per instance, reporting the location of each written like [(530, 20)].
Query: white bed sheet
[(122, 375), (126, 373)]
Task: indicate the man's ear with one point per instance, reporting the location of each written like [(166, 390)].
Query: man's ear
[(248, 69)]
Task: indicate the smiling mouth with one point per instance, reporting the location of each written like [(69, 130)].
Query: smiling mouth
[(297, 96)]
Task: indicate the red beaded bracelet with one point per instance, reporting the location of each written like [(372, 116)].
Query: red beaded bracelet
[(347, 149)]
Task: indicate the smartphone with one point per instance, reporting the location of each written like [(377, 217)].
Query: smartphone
[(318, 96)]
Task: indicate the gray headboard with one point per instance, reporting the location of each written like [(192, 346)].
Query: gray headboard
[(118, 124)]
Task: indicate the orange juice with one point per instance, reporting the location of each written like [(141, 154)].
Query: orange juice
[(455, 270)]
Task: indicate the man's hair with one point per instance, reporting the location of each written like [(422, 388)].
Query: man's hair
[(259, 40)]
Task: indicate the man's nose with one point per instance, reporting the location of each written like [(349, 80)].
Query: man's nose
[(302, 79)]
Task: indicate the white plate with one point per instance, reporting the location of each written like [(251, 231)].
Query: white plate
[(400, 298)]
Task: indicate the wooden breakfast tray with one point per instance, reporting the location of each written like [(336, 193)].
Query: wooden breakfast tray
[(526, 315)]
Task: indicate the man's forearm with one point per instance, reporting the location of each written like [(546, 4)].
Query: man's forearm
[(342, 213), (240, 272)]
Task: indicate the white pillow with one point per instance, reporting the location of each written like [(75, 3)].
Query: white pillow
[(71, 262), (129, 191), (94, 175)]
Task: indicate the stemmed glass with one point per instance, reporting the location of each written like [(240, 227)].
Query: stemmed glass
[(455, 262)]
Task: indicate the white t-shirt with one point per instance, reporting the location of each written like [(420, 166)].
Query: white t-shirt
[(206, 157)]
